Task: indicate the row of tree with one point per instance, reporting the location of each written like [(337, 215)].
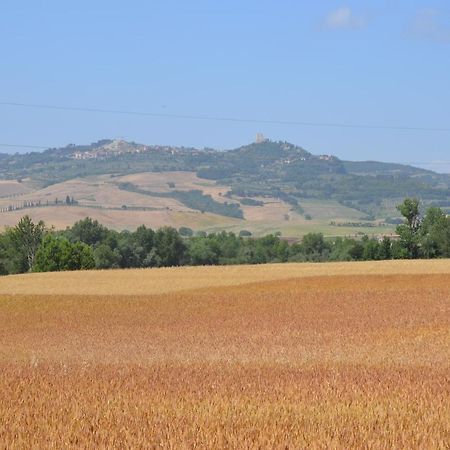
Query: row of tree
[(70, 201), (87, 244)]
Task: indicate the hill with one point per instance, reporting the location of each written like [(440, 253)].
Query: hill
[(265, 186)]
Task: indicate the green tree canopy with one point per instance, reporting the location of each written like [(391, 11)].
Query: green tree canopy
[(26, 237), (170, 248), (56, 253), (89, 231), (435, 234), (409, 231)]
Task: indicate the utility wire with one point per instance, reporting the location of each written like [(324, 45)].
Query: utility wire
[(223, 119), (39, 147), (216, 118)]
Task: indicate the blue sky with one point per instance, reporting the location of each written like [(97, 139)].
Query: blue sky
[(376, 63)]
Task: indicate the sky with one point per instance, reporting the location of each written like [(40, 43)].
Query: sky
[(381, 68)]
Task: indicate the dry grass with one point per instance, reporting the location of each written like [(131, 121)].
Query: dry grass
[(184, 181), (92, 191), (63, 216), (12, 187), (238, 357), (103, 191)]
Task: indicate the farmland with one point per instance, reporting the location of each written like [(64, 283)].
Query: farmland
[(102, 198), (337, 355), (265, 187)]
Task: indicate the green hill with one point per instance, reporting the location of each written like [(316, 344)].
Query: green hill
[(268, 169)]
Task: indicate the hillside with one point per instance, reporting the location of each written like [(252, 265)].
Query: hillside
[(264, 187)]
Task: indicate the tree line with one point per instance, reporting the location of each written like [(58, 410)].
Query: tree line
[(69, 201), (32, 247)]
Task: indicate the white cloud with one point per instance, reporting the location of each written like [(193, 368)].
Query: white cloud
[(344, 18), (429, 24)]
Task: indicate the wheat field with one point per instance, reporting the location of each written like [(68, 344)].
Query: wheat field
[(346, 355)]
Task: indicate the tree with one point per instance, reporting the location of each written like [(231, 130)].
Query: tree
[(341, 249), (105, 257), (4, 247), (409, 231), (56, 253), (270, 248), (52, 254), (185, 232), (229, 245), (399, 251), (357, 251), (145, 237), (371, 249), (315, 247), (89, 231), (201, 253), (9, 260), (81, 257), (435, 234), (130, 252), (410, 211), (385, 251), (441, 233), (26, 238), (170, 248)]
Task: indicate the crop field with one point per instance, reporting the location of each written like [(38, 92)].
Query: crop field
[(12, 188), (101, 198), (338, 355)]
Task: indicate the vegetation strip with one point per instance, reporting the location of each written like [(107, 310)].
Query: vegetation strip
[(88, 245), (194, 199)]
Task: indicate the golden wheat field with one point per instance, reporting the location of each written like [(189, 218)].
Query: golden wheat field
[(345, 355)]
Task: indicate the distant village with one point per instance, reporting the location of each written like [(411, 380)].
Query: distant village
[(121, 147)]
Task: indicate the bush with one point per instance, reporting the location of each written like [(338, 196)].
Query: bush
[(185, 232)]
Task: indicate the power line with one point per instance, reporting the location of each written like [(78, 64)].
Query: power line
[(223, 119), (39, 147), (423, 163)]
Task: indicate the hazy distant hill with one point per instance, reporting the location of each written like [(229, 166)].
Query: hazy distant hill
[(245, 177)]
